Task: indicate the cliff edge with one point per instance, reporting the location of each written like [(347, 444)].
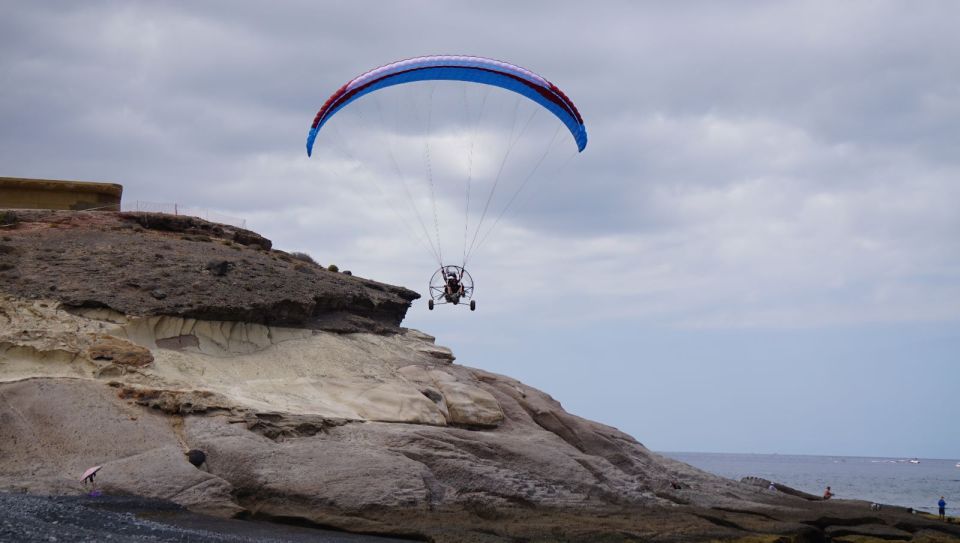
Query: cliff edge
[(156, 264)]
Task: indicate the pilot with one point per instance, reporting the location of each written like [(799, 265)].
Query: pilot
[(454, 288)]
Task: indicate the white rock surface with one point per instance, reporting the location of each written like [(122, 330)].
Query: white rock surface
[(346, 430), (251, 366)]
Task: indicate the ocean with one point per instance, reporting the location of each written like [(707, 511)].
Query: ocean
[(893, 481)]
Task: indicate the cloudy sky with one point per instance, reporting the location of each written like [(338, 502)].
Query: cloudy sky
[(759, 250)]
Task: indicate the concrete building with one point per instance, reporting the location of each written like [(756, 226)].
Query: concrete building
[(19, 193)]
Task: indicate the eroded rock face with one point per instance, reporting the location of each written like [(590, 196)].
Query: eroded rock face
[(54, 429), (518, 480), (462, 402), (154, 264), (186, 365), (295, 422)]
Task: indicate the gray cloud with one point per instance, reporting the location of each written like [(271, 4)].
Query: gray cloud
[(704, 120)]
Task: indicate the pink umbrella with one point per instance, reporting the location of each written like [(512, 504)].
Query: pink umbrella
[(88, 475)]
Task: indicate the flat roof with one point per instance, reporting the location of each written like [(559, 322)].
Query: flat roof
[(113, 189)]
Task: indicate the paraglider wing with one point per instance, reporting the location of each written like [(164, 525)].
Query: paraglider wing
[(457, 68)]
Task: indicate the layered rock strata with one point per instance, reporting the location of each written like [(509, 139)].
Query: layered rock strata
[(154, 264)]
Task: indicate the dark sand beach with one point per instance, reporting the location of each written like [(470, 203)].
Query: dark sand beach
[(29, 518)]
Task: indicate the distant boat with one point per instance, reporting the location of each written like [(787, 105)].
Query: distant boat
[(914, 461), (958, 464)]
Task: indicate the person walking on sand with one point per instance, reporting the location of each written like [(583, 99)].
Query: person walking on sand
[(943, 508), (827, 494)]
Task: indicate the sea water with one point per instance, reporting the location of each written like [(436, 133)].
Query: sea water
[(894, 481)]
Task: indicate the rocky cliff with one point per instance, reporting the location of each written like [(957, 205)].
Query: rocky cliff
[(128, 339), (152, 264)]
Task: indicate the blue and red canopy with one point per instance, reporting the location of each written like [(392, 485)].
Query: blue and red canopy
[(457, 68)]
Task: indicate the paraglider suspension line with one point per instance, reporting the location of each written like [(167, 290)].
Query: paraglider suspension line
[(473, 140), (433, 192), (522, 185), (496, 181), (339, 139)]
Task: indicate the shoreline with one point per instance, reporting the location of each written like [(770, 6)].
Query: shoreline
[(912, 483)]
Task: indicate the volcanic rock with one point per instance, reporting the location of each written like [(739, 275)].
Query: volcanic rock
[(155, 264)]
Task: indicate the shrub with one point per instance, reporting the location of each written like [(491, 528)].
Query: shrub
[(8, 218), (303, 256), (303, 267), (333, 268)]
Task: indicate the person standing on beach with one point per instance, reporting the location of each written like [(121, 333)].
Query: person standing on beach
[(943, 508)]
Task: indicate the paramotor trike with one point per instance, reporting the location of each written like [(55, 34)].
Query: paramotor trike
[(451, 285)]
